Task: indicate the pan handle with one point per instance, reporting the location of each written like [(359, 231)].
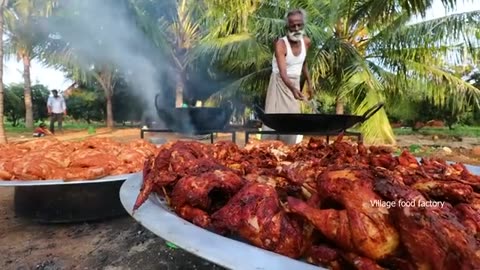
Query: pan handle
[(157, 103), (373, 110)]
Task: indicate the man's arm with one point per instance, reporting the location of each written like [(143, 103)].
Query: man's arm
[(280, 52)]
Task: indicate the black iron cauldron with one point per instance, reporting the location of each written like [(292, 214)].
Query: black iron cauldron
[(195, 120)]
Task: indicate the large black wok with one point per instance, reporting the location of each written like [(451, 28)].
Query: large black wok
[(289, 122), (194, 120)]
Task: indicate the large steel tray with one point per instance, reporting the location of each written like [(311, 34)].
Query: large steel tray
[(156, 216), (18, 183)]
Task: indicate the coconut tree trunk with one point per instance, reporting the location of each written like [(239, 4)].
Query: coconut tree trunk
[(3, 137), (108, 97), (27, 92), (339, 106), (105, 79)]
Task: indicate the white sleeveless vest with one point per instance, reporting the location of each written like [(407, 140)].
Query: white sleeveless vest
[(294, 63)]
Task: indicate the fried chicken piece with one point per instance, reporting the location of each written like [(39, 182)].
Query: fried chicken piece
[(255, 214), (148, 185), (361, 263), (445, 190), (301, 172), (207, 192), (362, 227), (226, 150), (466, 176), (406, 159), (470, 218), (433, 236), (195, 215), (324, 256), (281, 184), (383, 160), (168, 167)]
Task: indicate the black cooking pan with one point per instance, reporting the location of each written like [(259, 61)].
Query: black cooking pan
[(194, 120), (290, 122)]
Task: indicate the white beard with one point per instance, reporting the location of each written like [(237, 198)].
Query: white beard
[(295, 36)]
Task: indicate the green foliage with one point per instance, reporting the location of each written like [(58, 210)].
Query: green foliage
[(15, 106), (86, 104)]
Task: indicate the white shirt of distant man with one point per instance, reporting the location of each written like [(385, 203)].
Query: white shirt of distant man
[(56, 109)]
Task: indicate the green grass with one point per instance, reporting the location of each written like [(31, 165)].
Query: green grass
[(461, 131), (68, 125)]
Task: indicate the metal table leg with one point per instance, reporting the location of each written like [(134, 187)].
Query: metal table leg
[(211, 138), (247, 135), (141, 133), (234, 136)]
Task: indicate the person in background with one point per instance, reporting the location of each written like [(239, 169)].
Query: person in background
[(284, 94), (56, 109), (41, 131)]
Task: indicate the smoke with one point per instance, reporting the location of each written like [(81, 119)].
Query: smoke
[(105, 33)]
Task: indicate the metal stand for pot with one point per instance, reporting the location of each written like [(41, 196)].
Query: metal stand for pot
[(318, 133), (210, 132)]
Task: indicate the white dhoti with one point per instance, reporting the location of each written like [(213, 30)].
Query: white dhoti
[(280, 99)]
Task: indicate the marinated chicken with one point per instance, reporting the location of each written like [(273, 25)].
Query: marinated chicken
[(255, 213), (93, 158), (336, 205)]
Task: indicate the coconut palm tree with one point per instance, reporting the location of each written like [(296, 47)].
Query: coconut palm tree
[(365, 51), (22, 18), (3, 137)]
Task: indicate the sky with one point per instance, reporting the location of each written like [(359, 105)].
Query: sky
[(55, 79)]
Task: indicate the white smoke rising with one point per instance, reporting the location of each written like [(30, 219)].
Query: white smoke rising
[(103, 32)]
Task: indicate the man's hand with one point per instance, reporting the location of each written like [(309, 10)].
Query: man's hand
[(65, 113), (297, 94), (49, 112)]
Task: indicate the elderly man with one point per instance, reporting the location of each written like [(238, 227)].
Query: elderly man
[(288, 64), (56, 109)]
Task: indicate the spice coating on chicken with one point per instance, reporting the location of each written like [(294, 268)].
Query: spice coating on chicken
[(432, 235), (256, 215), (207, 191)]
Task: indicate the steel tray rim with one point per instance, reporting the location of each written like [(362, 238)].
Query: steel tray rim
[(220, 250), (111, 178)]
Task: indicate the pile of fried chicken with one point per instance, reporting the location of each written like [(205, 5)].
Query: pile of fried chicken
[(52, 159), (338, 205)]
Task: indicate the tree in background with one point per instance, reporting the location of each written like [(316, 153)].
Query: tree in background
[(15, 107), (22, 18), (3, 137)]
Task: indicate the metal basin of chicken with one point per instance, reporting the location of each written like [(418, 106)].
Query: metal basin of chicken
[(57, 201), (156, 216)]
